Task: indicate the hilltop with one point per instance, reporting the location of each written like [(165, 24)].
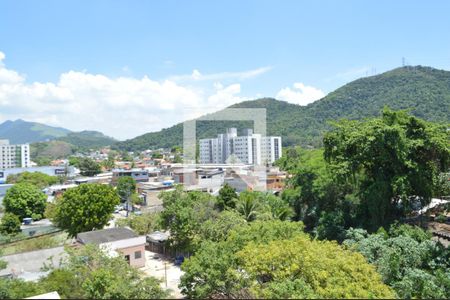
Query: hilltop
[(21, 132), (424, 91)]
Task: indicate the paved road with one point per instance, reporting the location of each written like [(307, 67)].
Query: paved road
[(158, 266), (32, 261)]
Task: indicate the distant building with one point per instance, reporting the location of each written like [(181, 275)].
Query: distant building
[(14, 156), (68, 171), (117, 241), (138, 175), (250, 148)]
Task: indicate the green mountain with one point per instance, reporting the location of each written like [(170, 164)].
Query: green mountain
[(65, 146), (422, 90), (85, 140), (20, 132)]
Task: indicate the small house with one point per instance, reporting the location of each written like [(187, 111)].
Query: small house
[(122, 241)]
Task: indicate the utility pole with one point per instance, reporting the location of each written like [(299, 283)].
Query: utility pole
[(165, 273)]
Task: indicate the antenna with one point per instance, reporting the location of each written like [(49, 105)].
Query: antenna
[(403, 62)]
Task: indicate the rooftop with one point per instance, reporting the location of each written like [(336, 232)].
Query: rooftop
[(105, 235)]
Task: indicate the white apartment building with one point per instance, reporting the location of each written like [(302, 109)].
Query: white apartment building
[(250, 148), (14, 156)]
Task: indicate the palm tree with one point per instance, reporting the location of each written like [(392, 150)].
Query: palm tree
[(249, 206)]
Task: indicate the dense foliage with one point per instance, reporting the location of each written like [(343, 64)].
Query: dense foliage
[(191, 216), (126, 186), (84, 208), (88, 273), (183, 215), (10, 224), (392, 162), (407, 259), (87, 166), (227, 197), (141, 224), (423, 90), (25, 201), (370, 174), (38, 179), (275, 259)]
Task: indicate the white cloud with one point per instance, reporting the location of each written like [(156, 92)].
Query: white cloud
[(300, 94), (122, 107), (197, 76)]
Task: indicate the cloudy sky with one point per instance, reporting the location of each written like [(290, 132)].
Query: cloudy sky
[(130, 67)]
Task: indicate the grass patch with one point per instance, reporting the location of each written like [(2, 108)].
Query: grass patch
[(42, 242)]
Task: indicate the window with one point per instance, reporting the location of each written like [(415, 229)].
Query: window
[(137, 254)]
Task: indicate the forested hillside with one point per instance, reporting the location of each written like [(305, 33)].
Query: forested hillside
[(64, 146), (20, 132), (422, 90)]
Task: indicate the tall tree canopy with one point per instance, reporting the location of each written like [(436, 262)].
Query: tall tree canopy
[(183, 215), (393, 160), (407, 258), (38, 179), (227, 197), (84, 208), (87, 166), (126, 186), (26, 201), (276, 259)]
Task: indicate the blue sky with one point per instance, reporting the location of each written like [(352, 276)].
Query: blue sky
[(213, 52)]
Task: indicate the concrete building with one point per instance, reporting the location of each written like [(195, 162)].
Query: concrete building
[(14, 156), (138, 175), (249, 148), (117, 241)]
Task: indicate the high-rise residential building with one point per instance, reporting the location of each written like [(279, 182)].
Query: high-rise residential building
[(249, 148), (14, 156)]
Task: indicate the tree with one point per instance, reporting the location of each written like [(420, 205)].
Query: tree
[(10, 224), (217, 229), (74, 161), (391, 160), (108, 163), (183, 215), (142, 225), (18, 288), (37, 179), (249, 205), (84, 208), (25, 200), (309, 269), (207, 272), (227, 197), (88, 167), (125, 187), (279, 208), (407, 259)]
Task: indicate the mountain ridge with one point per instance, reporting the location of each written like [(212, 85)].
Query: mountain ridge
[(21, 132), (424, 91)]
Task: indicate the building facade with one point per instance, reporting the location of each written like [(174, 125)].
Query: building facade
[(14, 156), (117, 241), (138, 175), (249, 148)]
